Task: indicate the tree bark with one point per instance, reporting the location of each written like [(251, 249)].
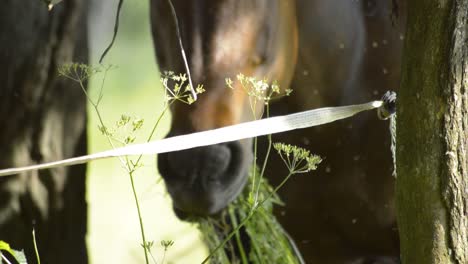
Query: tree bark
[(43, 119), (432, 134)]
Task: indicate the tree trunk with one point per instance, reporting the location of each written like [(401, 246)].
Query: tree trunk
[(432, 134), (43, 119)]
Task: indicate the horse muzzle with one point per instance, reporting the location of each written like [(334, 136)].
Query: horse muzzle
[(203, 181)]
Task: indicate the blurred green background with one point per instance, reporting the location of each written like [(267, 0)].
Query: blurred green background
[(133, 89)]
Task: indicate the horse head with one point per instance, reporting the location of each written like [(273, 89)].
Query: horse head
[(221, 38)]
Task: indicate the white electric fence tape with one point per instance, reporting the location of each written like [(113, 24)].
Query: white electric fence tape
[(251, 129)]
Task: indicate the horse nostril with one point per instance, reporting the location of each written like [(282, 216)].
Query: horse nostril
[(216, 161)]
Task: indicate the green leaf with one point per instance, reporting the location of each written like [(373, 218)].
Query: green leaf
[(6, 247), (19, 255)]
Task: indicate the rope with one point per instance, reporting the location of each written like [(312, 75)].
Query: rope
[(393, 143), (385, 112)]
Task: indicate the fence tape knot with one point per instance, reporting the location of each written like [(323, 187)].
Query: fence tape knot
[(388, 107)]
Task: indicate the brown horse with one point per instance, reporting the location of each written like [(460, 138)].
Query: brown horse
[(349, 52)]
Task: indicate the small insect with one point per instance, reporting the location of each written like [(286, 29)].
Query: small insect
[(51, 3)]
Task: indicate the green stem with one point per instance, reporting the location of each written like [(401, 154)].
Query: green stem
[(266, 156), (139, 217), (254, 172), (154, 260), (238, 240), (164, 256), (35, 247)]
